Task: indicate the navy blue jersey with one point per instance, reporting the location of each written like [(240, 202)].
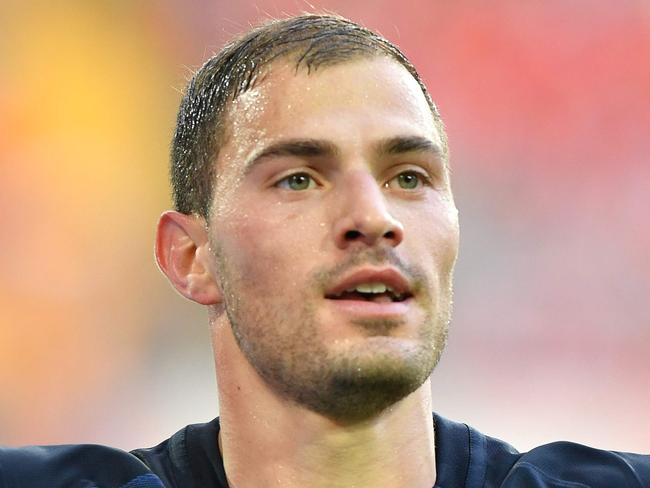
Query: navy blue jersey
[(465, 458)]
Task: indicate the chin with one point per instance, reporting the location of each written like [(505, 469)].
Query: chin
[(360, 397), (359, 387)]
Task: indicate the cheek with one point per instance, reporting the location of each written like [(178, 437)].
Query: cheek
[(263, 251), (247, 245), (269, 229), (433, 234), (445, 239)]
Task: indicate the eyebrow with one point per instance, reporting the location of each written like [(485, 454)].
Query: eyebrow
[(305, 148), (309, 148), (405, 144)]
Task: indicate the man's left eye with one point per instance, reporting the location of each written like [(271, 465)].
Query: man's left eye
[(407, 180), (297, 182)]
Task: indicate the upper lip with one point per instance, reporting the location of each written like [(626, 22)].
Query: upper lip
[(388, 276)]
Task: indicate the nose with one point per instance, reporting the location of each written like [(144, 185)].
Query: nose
[(364, 216)]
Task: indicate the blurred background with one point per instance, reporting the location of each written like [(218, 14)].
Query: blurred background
[(548, 112)]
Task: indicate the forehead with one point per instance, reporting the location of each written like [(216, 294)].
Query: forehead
[(349, 103)]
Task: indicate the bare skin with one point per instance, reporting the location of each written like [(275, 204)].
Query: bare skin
[(285, 230), (266, 442)]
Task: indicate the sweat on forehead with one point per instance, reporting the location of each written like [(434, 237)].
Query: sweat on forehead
[(309, 41)]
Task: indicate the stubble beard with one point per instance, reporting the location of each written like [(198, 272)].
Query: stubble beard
[(346, 386)]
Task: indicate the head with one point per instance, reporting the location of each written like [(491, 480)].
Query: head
[(314, 213)]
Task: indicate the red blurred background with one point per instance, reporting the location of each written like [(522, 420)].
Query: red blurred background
[(548, 112)]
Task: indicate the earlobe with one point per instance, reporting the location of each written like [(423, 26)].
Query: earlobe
[(183, 255)]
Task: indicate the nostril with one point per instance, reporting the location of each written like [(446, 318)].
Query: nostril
[(352, 235), (390, 235)]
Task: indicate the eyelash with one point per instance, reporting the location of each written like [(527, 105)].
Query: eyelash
[(284, 182)]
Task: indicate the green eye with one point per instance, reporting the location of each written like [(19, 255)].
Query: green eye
[(408, 180), (297, 182)]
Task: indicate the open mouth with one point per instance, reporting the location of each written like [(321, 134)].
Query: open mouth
[(371, 292), (381, 286)]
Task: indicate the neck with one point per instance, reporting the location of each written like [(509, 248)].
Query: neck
[(268, 441)]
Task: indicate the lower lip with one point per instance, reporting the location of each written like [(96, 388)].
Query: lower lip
[(368, 308)]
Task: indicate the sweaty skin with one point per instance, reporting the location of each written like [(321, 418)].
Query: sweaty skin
[(312, 393)]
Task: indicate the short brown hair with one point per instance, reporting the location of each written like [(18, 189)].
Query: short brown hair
[(313, 40)]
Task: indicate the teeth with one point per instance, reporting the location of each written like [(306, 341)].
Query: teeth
[(371, 288)]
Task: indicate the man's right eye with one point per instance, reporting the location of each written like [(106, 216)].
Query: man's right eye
[(297, 182)]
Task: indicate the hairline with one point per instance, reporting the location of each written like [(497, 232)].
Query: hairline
[(204, 119)]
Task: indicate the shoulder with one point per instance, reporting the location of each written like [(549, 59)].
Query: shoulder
[(72, 466), (189, 458), (566, 464), (467, 458)]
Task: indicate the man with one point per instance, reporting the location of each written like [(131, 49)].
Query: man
[(315, 220)]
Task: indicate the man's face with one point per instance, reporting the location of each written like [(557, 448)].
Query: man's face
[(335, 233)]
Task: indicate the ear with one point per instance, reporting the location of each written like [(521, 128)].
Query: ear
[(183, 254)]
